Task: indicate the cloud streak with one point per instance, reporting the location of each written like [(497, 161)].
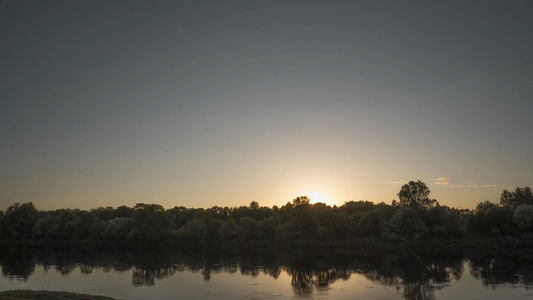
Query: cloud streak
[(447, 182), (473, 185), (442, 181), (401, 181)]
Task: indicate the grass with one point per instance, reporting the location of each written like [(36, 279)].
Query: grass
[(48, 295)]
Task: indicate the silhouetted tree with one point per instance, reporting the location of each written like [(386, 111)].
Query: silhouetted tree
[(415, 195), (181, 215), (19, 220), (104, 213), (415, 216), (302, 200), (254, 205), (521, 196), (123, 212), (359, 207)]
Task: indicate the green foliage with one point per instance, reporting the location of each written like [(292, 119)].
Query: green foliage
[(523, 217)]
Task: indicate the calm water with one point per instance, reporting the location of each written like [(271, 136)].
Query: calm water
[(164, 274)]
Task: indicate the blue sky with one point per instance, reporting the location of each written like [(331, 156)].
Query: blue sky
[(203, 103)]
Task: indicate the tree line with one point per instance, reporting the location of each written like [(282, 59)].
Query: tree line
[(413, 217)]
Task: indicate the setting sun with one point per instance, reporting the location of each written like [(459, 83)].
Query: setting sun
[(320, 197)]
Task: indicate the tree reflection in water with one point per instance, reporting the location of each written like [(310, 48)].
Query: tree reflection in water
[(493, 270), (303, 282), (417, 275), (17, 262), (147, 277)]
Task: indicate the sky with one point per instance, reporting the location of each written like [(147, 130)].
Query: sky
[(220, 103)]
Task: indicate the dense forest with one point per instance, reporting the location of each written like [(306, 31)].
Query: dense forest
[(414, 217)]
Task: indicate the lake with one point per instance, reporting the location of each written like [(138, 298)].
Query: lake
[(163, 273)]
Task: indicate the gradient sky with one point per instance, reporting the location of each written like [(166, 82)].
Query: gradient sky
[(194, 103)]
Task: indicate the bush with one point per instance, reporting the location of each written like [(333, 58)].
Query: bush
[(523, 217)]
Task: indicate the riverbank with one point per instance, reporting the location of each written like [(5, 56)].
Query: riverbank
[(470, 242), (48, 295)]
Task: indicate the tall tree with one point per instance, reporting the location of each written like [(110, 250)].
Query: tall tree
[(19, 220), (301, 200), (519, 197), (415, 195)]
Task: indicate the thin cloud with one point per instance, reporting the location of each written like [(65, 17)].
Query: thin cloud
[(442, 181), (473, 185), (401, 181)]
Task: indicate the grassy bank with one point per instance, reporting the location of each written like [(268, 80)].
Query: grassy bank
[(48, 295)]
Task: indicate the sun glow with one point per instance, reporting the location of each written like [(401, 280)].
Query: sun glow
[(320, 197)]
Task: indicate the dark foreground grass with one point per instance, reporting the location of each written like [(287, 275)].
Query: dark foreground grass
[(48, 295)]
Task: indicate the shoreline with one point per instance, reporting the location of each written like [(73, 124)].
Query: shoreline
[(49, 295), (255, 245)]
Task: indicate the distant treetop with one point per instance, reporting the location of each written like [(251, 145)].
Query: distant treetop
[(415, 195)]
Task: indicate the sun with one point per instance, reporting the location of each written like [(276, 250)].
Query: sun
[(320, 197)]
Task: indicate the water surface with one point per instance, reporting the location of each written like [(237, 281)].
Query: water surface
[(132, 273)]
